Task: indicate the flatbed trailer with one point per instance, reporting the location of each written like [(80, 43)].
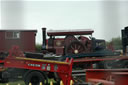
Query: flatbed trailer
[(119, 61), (103, 76), (33, 68), (94, 59)]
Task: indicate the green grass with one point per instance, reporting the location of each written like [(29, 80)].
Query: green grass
[(14, 83), (22, 82)]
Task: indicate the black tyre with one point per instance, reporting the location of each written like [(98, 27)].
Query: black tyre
[(34, 78), (4, 80), (124, 65)]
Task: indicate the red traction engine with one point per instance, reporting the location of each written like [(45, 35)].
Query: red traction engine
[(65, 42)]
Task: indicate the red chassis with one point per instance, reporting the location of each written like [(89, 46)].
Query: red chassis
[(17, 60), (107, 76)]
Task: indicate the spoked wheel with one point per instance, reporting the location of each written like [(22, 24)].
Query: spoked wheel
[(75, 47), (35, 78), (69, 39)]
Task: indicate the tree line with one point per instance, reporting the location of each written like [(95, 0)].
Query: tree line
[(115, 42)]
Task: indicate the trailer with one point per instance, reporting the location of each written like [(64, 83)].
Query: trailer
[(38, 70), (100, 71), (108, 62), (107, 76), (34, 70)]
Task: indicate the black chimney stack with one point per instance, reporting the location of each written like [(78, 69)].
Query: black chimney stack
[(44, 39), (125, 39)]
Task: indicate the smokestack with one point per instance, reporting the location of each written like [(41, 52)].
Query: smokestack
[(125, 39), (44, 38)]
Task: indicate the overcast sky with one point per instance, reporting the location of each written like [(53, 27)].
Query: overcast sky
[(106, 18)]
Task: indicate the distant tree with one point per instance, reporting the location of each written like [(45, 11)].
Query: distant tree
[(38, 47), (116, 43)]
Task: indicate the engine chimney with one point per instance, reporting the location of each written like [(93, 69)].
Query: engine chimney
[(44, 38)]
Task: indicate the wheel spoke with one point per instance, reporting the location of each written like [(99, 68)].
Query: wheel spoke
[(72, 47), (76, 48)]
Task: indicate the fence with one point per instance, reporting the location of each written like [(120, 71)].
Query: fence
[(51, 83)]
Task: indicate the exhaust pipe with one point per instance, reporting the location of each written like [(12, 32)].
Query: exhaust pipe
[(44, 38)]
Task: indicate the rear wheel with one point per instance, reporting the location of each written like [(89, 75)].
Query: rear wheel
[(34, 78), (69, 39), (75, 47), (3, 80)]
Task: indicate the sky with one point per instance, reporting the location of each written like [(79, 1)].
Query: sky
[(105, 17)]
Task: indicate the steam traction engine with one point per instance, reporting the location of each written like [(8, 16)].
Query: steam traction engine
[(67, 42)]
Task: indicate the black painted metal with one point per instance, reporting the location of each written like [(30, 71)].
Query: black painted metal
[(44, 39)]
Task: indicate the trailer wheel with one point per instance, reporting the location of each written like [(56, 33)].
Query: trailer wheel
[(34, 78), (5, 80), (75, 47), (125, 65)]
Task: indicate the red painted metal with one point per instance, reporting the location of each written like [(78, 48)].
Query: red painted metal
[(95, 59), (121, 78), (69, 32), (59, 45), (17, 60), (67, 77), (1, 65), (100, 81), (69, 43), (1, 61), (15, 51), (107, 76)]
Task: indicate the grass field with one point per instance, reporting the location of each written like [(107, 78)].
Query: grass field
[(14, 83), (22, 82)]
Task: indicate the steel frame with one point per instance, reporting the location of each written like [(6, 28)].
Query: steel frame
[(107, 76)]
